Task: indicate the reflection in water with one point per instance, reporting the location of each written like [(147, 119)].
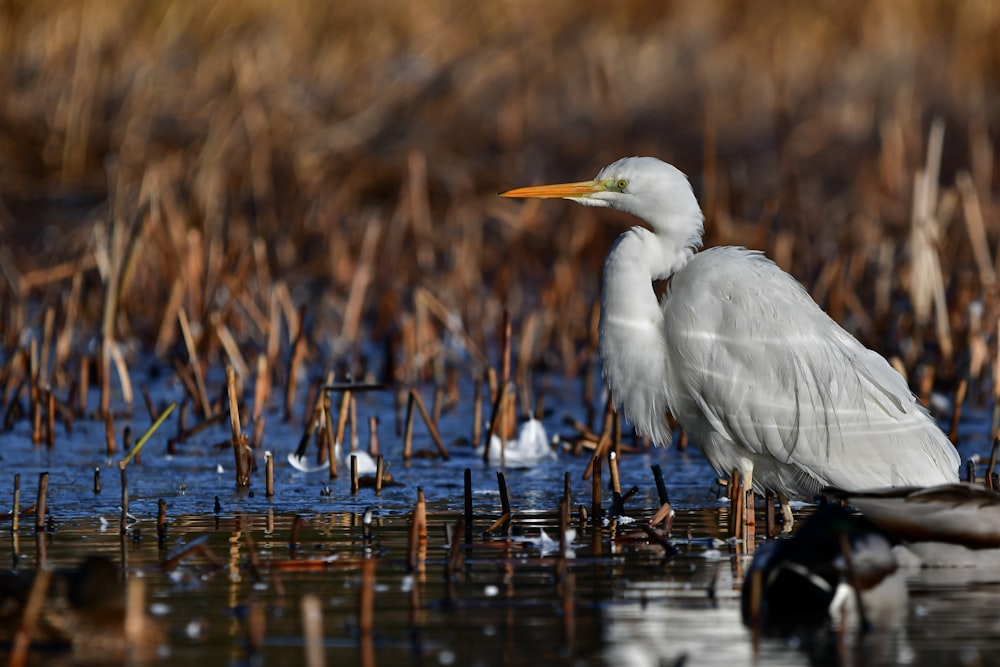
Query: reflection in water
[(618, 601)]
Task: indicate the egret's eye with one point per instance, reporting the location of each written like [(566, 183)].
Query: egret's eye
[(621, 185)]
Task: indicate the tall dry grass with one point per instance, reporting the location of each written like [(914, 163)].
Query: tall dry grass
[(264, 168)]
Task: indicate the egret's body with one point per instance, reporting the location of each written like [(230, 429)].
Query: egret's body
[(760, 377)]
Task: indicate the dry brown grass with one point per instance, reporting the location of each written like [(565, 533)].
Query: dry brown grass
[(237, 161)]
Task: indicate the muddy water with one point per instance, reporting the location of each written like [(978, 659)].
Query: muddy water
[(617, 601)]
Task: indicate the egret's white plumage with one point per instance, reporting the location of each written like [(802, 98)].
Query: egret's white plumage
[(760, 377)]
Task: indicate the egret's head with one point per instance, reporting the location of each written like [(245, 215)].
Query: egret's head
[(650, 189)]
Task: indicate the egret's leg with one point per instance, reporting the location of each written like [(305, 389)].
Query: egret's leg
[(786, 513), (749, 513)]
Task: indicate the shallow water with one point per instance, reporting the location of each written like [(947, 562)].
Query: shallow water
[(618, 601)]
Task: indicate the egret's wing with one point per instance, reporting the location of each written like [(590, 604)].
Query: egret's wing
[(756, 361)]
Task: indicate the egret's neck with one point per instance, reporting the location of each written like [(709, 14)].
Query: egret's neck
[(642, 256), (633, 348)]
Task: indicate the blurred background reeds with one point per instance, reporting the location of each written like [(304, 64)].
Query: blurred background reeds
[(251, 173)]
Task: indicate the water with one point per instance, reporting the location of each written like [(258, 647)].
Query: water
[(617, 601)]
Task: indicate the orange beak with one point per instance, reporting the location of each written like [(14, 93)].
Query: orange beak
[(580, 190)]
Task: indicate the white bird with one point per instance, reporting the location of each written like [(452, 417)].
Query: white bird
[(760, 377), (530, 447)]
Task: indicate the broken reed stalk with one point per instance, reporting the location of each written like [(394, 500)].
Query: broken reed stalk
[(124, 379), (312, 630), (345, 404), (604, 442), (259, 424), (196, 546), (354, 475), (976, 229), (97, 481), (366, 598), (13, 410), (495, 417), (373, 444), (491, 384), (109, 435), (229, 345), (379, 473), (330, 441), (477, 412), (665, 513), (595, 487), (661, 487), (201, 394), (312, 423), (262, 387), (993, 461), (40, 503), (15, 513), (161, 519), (568, 589), (146, 436), (242, 454), (294, 363), (431, 428), (105, 376), (293, 534), (456, 554), (505, 345), (617, 505), (127, 443), (437, 403), (504, 498), (50, 422), (147, 400), (468, 506), (234, 406), (36, 416), (927, 289), (256, 629), (628, 495), (616, 485), (245, 465), (269, 474), (408, 429), (505, 423), (84, 388), (135, 616), (417, 534), (34, 401), (29, 619), (123, 522), (354, 423), (313, 398), (956, 415), (43, 361), (563, 527)]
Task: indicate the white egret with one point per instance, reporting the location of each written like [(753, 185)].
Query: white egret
[(530, 447), (760, 377)]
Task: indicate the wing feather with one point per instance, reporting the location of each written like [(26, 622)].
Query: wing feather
[(756, 366)]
